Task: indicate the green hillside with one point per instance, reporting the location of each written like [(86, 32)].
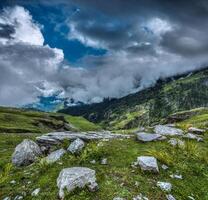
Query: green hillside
[(151, 105), (13, 120)]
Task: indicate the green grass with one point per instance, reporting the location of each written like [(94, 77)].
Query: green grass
[(82, 124), (118, 177), (14, 120)]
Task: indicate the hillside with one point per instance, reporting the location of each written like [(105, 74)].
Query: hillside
[(151, 105), (14, 120)]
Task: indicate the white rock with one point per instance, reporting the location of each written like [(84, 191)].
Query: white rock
[(165, 167), (196, 130), (13, 182), (176, 176), (35, 192), (166, 130), (118, 198), (165, 186), (148, 137), (76, 146), (176, 142), (7, 198), (75, 177), (93, 161), (25, 153), (190, 197), (140, 197), (170, 197), (55, 155), (104, 161), (147, 163), (18, 197)]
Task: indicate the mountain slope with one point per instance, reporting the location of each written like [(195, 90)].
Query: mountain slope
[(168, 96), (13, 120)]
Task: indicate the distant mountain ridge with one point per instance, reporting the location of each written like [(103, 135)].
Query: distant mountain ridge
[(170, 95)]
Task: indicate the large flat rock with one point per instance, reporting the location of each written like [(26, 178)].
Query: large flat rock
[(148, 137), (168, 131), (58, 137)]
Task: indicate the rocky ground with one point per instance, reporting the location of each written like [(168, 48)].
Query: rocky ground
[(155, 163)]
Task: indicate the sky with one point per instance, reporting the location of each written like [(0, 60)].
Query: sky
[(91, 49)]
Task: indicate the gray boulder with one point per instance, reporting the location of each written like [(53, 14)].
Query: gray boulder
[(75, 177), (164, 186), (118, 198), (148, 137), (76, 146), (176, 142), (196, 130), (148, 163), (35, 192), (168, 131), (25, 153), (104, 161), (55, 155), (191, 136)]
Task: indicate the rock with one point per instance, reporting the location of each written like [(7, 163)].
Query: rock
[(25, 153), (170, 197), (140, 197), (176, 176), (165, 186), (168, 131), (136, 183), (104, 161), (75, 177), (13, 182), (55, 155), (193, 137), (7, 198), (191, 198), (196, 130), (118, 198), (18, 197), (93, 187), (148, 163), (176, 142), (76, 146), (165, 167), (57, 137), (35, 192), (148, 137), (93, 161)]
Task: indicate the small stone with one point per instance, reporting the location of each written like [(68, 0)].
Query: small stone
[(164, 167), (140, 197), (196, 130), (93, 187), (13, 182), (170, 197), (104, 161), (35, 192), (191, 198), (148, 163), (176, 176), (175, 142), (76, 146), (18, 197), (93, 161), (136, 183), (165, 186), (55, 155), (118, 198), (7, 198)]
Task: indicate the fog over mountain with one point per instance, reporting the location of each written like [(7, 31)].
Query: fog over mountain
[(118, 47)]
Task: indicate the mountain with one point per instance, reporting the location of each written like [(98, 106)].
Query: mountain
[(183, 92)]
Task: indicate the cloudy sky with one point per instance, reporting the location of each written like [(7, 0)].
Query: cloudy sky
[(91, 49)]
